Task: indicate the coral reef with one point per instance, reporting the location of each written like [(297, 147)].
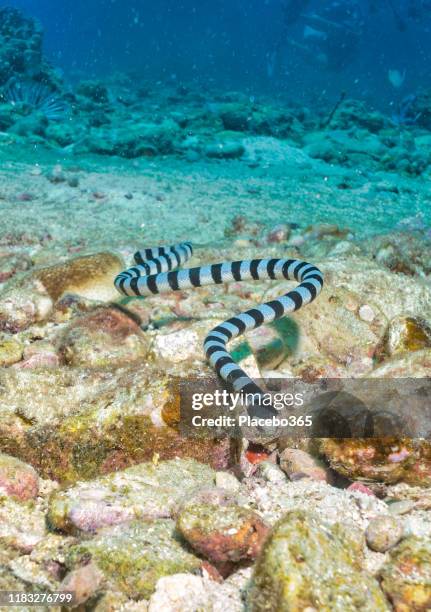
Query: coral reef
[(22, 49)]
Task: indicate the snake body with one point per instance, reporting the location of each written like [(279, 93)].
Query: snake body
[(155, 272)]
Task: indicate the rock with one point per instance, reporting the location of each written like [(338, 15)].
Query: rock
[(34, 124), (93, 90), (270, 472), (21, 52), (407, 253), (56, 175), (144, 491), (17, 479), (83, 582), (360, 487), (298, 464), (279, 233), (414, 364), (177, 347), (401, 507), (90, 276), (235, 117), (225, 150), (354, 112), (366, 313), (188, 593), (267, 347), (406, 577), (39, 354), (135, 140), (10, 351), (63, 134), (31, 299), (322, 230), (73, 181), (44, 566), (385, 460), (22, 525), (222, 533), (132, 557), (107, 336), (307, 565), (97, 420), (227, 481), (12, 264), (383, 533), (405, 334), (21, 307), (273, 500)]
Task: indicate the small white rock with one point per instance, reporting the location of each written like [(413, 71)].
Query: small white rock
[(227, 481), (177, 346), (366, 313)]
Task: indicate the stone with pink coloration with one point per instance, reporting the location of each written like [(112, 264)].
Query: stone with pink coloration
[(279, 233), (84, 582), (359, 487), (17, 479), (146, 491)]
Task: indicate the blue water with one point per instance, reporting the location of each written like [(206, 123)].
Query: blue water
[(230, 42)]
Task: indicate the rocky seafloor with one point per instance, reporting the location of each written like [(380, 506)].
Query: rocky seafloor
[(100, 493)]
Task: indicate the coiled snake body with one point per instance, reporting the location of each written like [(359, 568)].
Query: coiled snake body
[(155, 272)]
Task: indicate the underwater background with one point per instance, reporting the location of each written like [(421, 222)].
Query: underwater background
[(293, 129), (185, 79)]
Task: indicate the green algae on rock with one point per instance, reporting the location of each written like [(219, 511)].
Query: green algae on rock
[(405, 334), (146, 491), (132, 557), (11, 351), (97, 421), (306, 564), (406, 577)]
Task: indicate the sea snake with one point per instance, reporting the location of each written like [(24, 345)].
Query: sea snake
[(155, 272)]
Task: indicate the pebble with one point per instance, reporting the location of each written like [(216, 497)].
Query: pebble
[(366, 313), (359, 487), (25, 197), (401, 507), (84, 582), (270, 472), (73, 181), (383, 533), (56, 175), (296, 241), (279, 233), (267, 347), (39, 354), (298, 464)]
